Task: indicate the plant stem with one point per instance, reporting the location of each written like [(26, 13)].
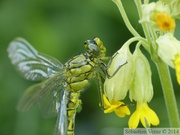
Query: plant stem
[(141, 40), (125, 18), (145, 27), (169, 95)]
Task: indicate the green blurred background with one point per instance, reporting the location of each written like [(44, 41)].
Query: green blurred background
[(59, 28)]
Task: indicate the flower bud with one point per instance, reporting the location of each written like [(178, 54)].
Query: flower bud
[(168, 48), (141, 88), (120, 78), (175, 11)]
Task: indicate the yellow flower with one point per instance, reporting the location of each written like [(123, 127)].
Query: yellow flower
[(158, 15), (164, 22), (144, 114), (177, 67), (118, 107)]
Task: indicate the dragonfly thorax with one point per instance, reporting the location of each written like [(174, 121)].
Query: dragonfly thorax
[(79, 70)]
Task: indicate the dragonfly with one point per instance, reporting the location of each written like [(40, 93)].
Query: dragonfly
[(60, 86)]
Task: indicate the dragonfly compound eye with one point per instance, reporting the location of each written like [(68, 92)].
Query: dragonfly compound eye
[(94, 49)]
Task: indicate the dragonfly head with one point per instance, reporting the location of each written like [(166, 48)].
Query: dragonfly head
[(95, 47)]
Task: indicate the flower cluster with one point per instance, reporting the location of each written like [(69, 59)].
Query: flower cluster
[(134, 77), (161, 17)]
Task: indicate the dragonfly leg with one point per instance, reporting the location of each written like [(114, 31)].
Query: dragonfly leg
[(104, 67), (101, 79), (110, 76), (100, 90)]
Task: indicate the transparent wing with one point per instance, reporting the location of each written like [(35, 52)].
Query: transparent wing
[(62, 120), (46, 93), (49, 104), (31, 64)]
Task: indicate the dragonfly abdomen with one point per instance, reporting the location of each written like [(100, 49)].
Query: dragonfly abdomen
[(72, 105)]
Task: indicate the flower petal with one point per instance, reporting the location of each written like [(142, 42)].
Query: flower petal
[(177, 67), (165, 22), (122, 111), (106, 102), (134, 120), (144, 114), (117, 106), (110, 109), (153, 118)]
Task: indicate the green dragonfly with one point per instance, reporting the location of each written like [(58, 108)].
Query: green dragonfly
[(59, 90)]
